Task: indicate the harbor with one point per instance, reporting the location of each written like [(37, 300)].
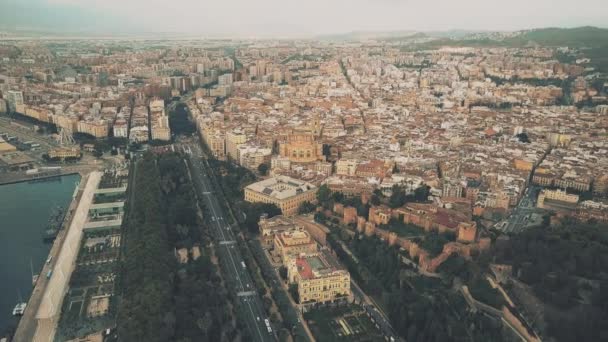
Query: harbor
[(23, 252)]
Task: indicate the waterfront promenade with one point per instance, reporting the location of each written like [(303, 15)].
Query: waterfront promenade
[(40, 319)]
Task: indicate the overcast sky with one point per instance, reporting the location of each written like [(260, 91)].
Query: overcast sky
[(297, 17)]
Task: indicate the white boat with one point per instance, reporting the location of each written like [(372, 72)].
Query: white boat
[(34, 279), (19, 309)]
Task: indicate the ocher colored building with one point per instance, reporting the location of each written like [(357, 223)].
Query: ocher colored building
[(556, 199), (96, 128), (290, 244), (302, 148), (285, 192), (320, 278), (64, 152)]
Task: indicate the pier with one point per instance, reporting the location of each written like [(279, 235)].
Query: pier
[(41, 316)]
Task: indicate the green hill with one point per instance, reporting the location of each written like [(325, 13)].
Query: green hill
[(579, 37)]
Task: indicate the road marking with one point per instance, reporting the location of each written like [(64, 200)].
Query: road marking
[(213, 204), (246, 293), (227, 242)]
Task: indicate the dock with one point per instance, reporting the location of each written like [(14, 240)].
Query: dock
[(42, 313)]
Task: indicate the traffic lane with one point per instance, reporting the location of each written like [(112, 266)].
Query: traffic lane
[(232, 268), (223, 229), (241, 276)]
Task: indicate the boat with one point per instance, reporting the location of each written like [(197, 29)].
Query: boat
[(34, 276), (34, 279), (54, 225), (21, 305), (19, 309)]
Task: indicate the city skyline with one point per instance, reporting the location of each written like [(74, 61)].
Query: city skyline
[(273, 18), (270, 170)]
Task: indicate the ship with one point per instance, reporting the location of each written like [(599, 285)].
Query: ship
[(34, 276), (19, 309), (55, 224)]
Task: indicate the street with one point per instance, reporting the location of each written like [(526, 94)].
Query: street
[(233, 265), (523, 214)]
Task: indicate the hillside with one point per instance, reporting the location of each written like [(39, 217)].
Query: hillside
[(587, 36), (580, 37)]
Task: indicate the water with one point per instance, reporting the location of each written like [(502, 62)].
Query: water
[(24, 212)]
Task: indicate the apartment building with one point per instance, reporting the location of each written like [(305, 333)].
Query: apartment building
[(556, 199), (234, 139)]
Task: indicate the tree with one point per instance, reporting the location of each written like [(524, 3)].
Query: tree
[(306, 207), (375, 200), (337, 197), (421, 193), (293, 291), (253, 211), (398, 197), (324, 195), (523, 137), (263, 169), (283, 272)]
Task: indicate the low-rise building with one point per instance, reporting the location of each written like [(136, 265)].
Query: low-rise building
[(285, 192), (291, 243), (556, 199), (320, 278)]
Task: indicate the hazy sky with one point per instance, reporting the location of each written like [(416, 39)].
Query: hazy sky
[(297, 17)]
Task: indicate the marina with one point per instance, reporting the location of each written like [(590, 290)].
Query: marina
[(27, 210)]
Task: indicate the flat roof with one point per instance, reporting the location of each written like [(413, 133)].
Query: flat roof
[(111, 190), (107, 205), (281, 187), (102, 224), (317, 265), (15, 158)]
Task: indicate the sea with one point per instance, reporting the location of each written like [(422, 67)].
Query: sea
[(25, 209)]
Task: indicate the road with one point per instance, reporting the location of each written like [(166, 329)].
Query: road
[(23, 133), (519, 218), (233, 265), (372, 309)]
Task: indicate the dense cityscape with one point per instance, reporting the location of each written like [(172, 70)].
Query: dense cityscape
[(366, 187)]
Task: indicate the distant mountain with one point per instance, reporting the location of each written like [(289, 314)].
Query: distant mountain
[(586, 36), (365, 35), (579, 37), (397, 35)]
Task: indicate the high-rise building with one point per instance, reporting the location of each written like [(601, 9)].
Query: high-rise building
[(234, 139), (225, 79), (14, 99)]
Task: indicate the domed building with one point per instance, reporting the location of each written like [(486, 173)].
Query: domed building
[(302, 147)]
